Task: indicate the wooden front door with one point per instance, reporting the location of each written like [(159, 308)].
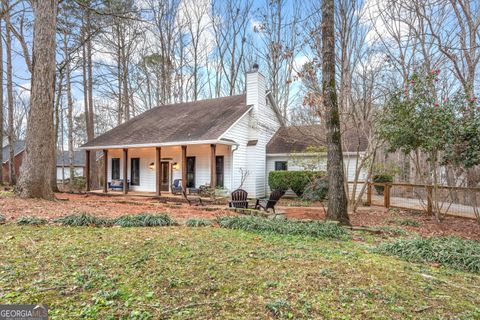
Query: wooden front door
[(165, 176)]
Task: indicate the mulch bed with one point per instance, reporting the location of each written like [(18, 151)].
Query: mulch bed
[(108, 207), (13, 207), (377, 217)]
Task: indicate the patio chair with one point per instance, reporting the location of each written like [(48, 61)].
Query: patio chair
[(269, 203), (239, 199), (192, 199), (177, 186)]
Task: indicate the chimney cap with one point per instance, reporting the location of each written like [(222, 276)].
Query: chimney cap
[(255, 67)]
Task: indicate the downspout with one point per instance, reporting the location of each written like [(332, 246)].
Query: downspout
[(232, 171)]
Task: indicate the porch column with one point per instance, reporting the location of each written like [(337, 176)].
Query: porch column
[(87, 169), (158, 169), (213, 166), (105, 170), (125, 171), (184, 167)]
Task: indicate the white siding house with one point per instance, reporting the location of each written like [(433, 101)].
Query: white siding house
[(223, 142)]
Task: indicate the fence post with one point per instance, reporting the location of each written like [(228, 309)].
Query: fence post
[(369, 193), (386, 195), (429, 200)]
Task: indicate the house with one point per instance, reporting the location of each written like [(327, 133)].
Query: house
[(224, 142), (63, 164), (303, 147), (18, 151)]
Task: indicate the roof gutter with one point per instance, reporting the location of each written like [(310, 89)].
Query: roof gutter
[(165, 144)]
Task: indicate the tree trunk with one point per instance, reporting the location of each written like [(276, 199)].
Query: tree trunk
[(11, 131), (337, 199), (1, 105), (69, 116), (88, 85), (36, 168)]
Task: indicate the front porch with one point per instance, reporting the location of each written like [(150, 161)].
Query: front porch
[(153, 171)]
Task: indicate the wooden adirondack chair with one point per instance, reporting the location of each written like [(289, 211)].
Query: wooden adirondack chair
[(239, 199), (269, 203)]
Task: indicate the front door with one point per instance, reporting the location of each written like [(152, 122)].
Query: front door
[(165, 176), (135, 171)]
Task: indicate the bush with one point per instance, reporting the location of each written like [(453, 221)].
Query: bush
[(295, 180), (316, 190), (144, 220), (83, 219), (198, 222), (30, 220), (381, 178), (278, 180), (454, 252), (299, 181), (318, 229)]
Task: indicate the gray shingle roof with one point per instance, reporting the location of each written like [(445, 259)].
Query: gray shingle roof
[(182, 122), (298, 138), (18, 146)]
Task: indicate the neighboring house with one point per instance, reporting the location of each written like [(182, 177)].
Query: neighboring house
[(289, 149), (18, 151), (63, 164), (221, 142)]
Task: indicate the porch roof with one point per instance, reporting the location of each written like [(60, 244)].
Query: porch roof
[(177, 124)]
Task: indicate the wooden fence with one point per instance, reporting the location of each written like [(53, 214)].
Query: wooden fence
[(457, 201)]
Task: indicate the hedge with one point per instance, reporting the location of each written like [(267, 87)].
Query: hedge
[(295, 180)]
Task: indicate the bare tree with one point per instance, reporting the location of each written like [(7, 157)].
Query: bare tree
[(36, 167), (10, 131), (337, 199)]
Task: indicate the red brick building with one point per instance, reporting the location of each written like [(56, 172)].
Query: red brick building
[(19, 151)]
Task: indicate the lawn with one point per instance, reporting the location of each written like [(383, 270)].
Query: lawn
[(208, 272)]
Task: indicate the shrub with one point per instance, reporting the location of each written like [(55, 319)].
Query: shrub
[(295, 180), (316, 190), (278, 180), (318, 229), (144, 220), (454, 252), (198, 222), (381, 178), (30, 220), (83, 219), (299, 181)]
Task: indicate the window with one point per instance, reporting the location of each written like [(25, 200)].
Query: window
[(190, 172), (281, 165), (219, 161), (115, 168), (135, 171)]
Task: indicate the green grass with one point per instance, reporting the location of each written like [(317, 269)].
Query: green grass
[(204, 273), (198, 222), (454, 252), (144, 220), (82, 220), (31, 220), (317, 229), (405, 222)]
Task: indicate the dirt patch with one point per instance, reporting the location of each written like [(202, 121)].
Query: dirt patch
[(13, 207), (378, 217)]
